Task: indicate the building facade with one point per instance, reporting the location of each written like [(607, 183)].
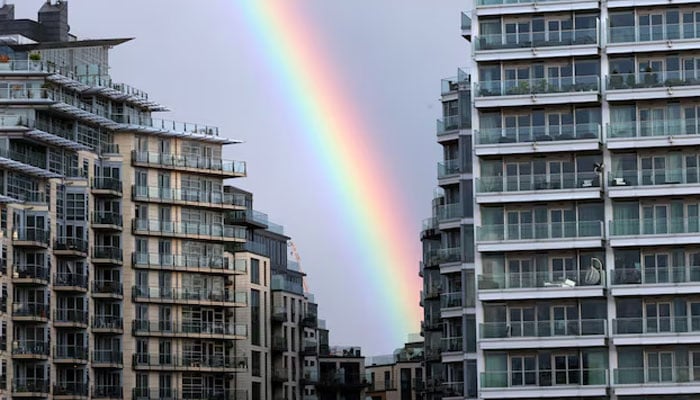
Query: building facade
[(398, 376), (581, 153), (128, 267)]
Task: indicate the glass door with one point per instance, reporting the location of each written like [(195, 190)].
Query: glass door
[(660, 366), (657, 268), (520, 225), (523, 370), (651, 26), (520, 273), (522, 321), (567, 369), (655, 219), (658, 317)]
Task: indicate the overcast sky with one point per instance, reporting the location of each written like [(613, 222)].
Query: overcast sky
[(191, 56)]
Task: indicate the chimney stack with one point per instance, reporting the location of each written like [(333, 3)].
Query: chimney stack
[(54, 17)]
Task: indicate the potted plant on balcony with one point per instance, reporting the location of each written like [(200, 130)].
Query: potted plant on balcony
[(4, 62), (34, 61)]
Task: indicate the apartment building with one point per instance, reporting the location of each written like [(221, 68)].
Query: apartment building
[(583, 142), (398, 376)]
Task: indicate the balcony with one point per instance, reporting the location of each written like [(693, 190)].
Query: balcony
[(534, 45), (451, 212), (537, 188), (190, 263), (36, 312), (542, 334), (107, 392), (659, 380), (453, 389), (107, 186), (107, 358), (188, 197), (252, 218), (656, 331), (107, 220), (70, 390), (545, 383), (30, 349), (654, 182), (30, 387), (448, 169), (279, 375), (190, 163), (651, 281), (642, 39), (650, 86), (540, 236), (654, 232), (542, 285), (342, 381), (309, 348), (107, 255), (531, 92), (189, 230), (155, 394), (653, 134), (309, 320), (68, 318), (190, 363), (451, 300), (190, 296), (538, 139), (107, 324), (190, 329), (66, 281), (452, 344), (70, 354), (31, 273), (30, 237), (71, 246), (107, 289), (148, 124), (448, 127), (279, 314), (527, 7), (279, 344)]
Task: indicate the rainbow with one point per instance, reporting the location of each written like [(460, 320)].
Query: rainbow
[(339, 139)]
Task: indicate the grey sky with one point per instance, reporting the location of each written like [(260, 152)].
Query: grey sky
[(190, 56)]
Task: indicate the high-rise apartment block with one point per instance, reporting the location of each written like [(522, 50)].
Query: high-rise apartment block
[(570, 189), (128, 268)]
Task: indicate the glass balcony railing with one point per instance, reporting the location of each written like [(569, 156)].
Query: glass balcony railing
[(449, 211), (30, 347), (36, 310), (636, 34), (548, 279), (655, 177), (655, 226), (70, 389), (456, 83), (71, 243), (68, 315), (190, 327), (656, 325), (31, 235), (529, 134), (661, 374), (634, 129), (166, 125), (107, 287), (505, 2), (197, 294), (249, 216), (544, 377), (73, 352), (107, 183), (452, 343), (25, 92), (107, 322), (176, 261), (569, 84), (550, 328), (107, 218), (160, 393), (448, 168), (562, 181), (536, 231), (70, 279), (107, 392), (189, 161), (30, 385), (108, 253), (449, 254), (452, 123), (645, 80), (35, 160), (29, 271), (654, 276), (188, 195), (217, 231), (564, 37), (177, 361), (449, 300), (107, 356), (452, 389)]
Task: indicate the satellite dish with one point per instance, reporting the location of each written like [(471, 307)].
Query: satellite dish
[(594, 272)]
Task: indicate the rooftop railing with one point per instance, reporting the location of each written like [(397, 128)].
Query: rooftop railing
[(166, 125)]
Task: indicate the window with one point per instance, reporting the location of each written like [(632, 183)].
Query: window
[(255, 271)]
